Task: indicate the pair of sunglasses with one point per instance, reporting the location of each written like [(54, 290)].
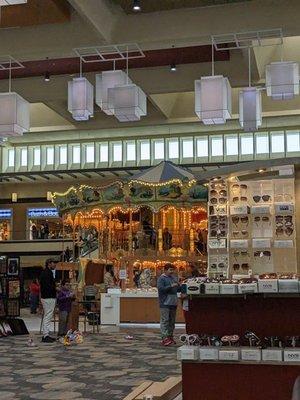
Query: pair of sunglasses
[(262, 219), (220, 225), (244, 266), (237, 199), (221, 218), (281, 218), (215, 233), (265, 253), (221, 192), (287, 231), (218, 183), (220, 265), (243, 220), (220, 200), (242, 186), (237, 233), (240, 254), (264, 197)]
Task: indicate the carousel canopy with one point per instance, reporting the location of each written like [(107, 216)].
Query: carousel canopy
[(162, 173)]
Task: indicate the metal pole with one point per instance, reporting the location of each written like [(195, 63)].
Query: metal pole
[(9, 81), (212, 58), (249, 67)]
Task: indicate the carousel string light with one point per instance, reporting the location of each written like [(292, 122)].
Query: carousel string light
[(170, 182)]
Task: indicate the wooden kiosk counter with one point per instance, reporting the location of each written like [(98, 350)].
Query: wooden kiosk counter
[(132, 306)]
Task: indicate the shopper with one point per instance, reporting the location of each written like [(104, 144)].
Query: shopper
[(168, 287), (34, 296), (48, 297), (109, 277), (167, 239), (64, 302), (67, 254), (46, 230)]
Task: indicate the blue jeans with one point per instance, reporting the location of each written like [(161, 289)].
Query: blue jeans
[(167, 321), (34, 302)]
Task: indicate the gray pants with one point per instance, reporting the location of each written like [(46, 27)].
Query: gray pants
[(63, 323), (167, 321)]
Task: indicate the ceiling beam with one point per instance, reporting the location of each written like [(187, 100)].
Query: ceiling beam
[(153, 58), (100, 173), (100, 15), (44, 176), (72, 175), (86, 174), (59, 176)]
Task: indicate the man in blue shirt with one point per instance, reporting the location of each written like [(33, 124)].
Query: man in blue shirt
[(168, 287)]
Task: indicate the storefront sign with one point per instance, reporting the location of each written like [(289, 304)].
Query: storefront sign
[(42, 213), (5, 214)]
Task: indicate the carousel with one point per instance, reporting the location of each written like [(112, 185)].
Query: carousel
[(157, 216), (137, 225)]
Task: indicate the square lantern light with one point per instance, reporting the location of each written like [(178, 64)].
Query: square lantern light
[(81, 99), (11, 2), (213, 99), (282, 80), (250, 109), (14, 115), (107, 80), (128, 101)]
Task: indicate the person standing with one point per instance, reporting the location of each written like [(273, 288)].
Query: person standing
[(167, 239), (168, 287), (67, 254), (46, 230), (109, 277), (64, 302), (48, 297), (34, 296)]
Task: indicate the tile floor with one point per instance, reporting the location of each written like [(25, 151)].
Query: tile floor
[(105, 367)]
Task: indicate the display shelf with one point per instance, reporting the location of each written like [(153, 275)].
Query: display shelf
[(246, 295), (292, 364), (274, 314), (238, 381)]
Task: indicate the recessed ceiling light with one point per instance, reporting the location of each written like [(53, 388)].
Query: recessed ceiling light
[(137, 5), (173, 67), (47, 76)]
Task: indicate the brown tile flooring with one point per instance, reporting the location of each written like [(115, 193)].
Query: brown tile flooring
[(105, 367)]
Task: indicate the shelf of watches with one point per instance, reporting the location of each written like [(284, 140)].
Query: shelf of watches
[(266, 283), (233, 348)]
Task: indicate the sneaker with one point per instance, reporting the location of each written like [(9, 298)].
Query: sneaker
[(173, 340), (166, 342), (48, 339)]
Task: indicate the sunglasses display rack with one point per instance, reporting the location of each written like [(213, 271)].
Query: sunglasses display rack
[(218, 228), (261, 227)]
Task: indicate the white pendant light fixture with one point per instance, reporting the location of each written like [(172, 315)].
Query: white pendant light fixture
[(125, 100), (282, 80), (250, 109), (107, 80), (128, 101), (213, 98), (11, 2), (14, 112), (81, 98), (250, 105)]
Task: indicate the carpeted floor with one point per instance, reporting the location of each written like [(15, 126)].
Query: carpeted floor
[(105, 367)]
